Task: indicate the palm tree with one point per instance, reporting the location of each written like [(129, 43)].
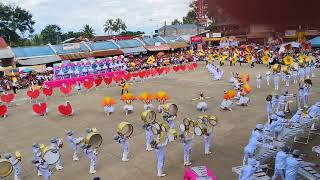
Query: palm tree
[(87, 31), (117, 25), (108, 26), (123, 27)]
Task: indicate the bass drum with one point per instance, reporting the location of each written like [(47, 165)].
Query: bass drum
[(276, 68), (5, 168), (213, 120), (125, 128), (148, 116), (199, 130), (171, 109), (174, 133), (156, 128), (50, 155), (93, 139)]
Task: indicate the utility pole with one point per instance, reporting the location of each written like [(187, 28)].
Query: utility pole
[(165, 28)]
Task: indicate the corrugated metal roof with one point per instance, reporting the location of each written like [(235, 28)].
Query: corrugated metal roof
[(24, 52), (105, 45), (39, 60), (173, 39), (152, 41), (129, 43), (180, 26), (6, 53), (60, 50), (135, 50)]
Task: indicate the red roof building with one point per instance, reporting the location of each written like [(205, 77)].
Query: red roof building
[(115, 37)]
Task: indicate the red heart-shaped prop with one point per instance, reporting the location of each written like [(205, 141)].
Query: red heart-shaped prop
[(65, 89), (65, 110), (107, 80), (127, 76), (117, 79), (7, 98), (183, 67), (142, 74), (176, 68), (195, 65), (154, 72), (160, 70), (33, 94), (167, 69), (135, 74), (39, 109), (47, 91), (98, 81), (88, 84), (3, 110), (191, 67)]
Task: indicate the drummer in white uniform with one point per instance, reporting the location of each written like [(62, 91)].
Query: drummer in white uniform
[(16, 165), (186, 139), (92, 155), (43, 167), (125, 146), (36, 154), (74, 144), (56, 144), (160, 152), (149, 136)]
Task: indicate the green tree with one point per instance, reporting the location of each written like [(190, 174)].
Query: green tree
[(191, 17), (13, 22), (87, 31), (69, 35), (51, 34), (131, 33), (107, 27), (36, 40), (176, 22)]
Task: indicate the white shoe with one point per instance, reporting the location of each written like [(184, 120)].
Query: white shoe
[(75, 159), (59, 167), (149, 149), (39, 173), (125, 159), (93, 171), (207, 153), (188, 163), (161, 175)]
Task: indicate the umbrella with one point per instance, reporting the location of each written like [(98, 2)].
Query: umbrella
[(27, 70)]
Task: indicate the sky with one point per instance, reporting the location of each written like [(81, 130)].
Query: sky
[(71, 15)]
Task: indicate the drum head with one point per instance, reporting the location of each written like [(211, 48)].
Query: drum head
[(5, 168), (173, 109), (125, 128), (198, 131), (186, 121), (182, 128), (51, 156), (157, 126), (148, 116), (191, 129), (95, 140)]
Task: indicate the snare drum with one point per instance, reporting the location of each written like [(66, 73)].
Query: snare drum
[(182, 128), (5, 168), (51, 155), (186, 121)]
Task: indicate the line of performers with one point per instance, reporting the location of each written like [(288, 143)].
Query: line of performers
[(215, 71), (158, 135), (270, 135)]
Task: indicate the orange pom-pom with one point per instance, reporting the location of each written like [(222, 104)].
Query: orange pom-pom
[(162, 96), (108, 101), (145, 96), (128, 96), (247, 88)]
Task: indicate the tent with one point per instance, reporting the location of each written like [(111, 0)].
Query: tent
[(293, 44), (315, 42)]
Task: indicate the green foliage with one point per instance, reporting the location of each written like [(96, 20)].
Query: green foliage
[(132, 33), (176, 22), (14, 22), (116, 25), (87, 31), (51, 34)]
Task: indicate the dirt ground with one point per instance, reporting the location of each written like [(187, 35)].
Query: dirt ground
[(21, 128)]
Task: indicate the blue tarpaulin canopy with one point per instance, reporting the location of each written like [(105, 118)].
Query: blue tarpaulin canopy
[(315, 42)]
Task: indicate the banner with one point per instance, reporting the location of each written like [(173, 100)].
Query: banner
[(71, 46), (200, 9), (196, 39), (290, 33)]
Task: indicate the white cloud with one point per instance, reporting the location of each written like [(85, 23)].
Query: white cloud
[(145, 15)]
